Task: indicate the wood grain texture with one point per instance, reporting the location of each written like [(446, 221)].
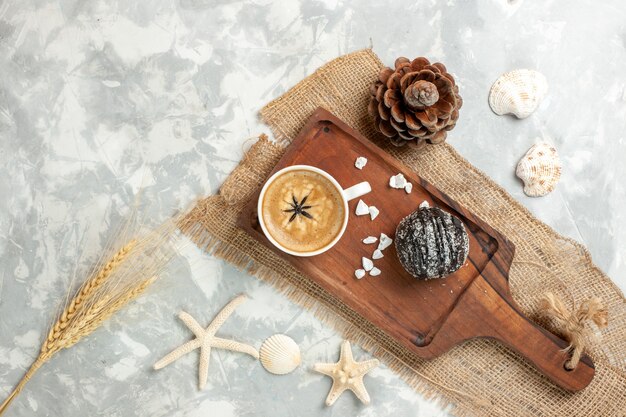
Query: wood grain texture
[(427, 317)]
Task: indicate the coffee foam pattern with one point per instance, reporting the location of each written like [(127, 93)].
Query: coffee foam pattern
[(303, 234)]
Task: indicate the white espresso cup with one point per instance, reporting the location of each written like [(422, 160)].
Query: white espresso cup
[(347, 194)]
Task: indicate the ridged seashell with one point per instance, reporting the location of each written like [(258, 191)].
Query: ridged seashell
[(540, 169), (518, 92), (279, 354)]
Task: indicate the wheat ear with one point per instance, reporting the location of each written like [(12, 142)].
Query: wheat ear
[(57, 333), (71, 327), (104, 309)]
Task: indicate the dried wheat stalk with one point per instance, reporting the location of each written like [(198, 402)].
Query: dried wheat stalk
[(120, 280), (58, 338)]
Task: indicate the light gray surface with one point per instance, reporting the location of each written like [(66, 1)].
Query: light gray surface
[(100, 98)]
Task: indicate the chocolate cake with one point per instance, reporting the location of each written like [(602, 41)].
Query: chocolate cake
[(431, 243)]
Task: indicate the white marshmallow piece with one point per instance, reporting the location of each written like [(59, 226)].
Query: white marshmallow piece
[(367, 264), (362, 209), (375, 272), (385, 242), (397, 181), (360, 162), (359, 273), (377, 254), (408, 188), (373, 212), (424, 204), (369, 240)]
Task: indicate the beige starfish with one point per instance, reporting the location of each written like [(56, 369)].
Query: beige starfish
[(206, 339), (347, 374)]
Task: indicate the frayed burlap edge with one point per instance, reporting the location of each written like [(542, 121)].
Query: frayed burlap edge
[(465, 376)]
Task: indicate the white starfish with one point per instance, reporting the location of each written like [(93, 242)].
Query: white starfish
[(206, 339), (347, 374)]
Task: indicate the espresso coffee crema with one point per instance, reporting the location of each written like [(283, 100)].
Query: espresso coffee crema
[(302, 210)]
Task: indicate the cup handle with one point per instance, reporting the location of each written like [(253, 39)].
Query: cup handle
[(357, 190)]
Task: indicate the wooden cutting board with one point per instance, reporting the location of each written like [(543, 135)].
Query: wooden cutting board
[(427, 317)]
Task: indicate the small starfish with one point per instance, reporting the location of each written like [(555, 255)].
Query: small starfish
[(347, 374), (298, 208), (206, 339)]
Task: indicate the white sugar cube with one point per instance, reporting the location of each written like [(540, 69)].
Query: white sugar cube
[(359, 273), (367, 264), (360, 162), (373, 212), (369, 240), (361, 208), (385, 242), (375, 272), (377, 254)]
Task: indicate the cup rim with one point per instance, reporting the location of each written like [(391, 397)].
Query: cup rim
[(262, 222)]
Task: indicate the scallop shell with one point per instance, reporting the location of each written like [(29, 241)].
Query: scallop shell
[(279, 354), (518, 92), (540, 169)]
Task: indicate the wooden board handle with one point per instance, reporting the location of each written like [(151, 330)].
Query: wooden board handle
[(540, 347), (500, 319)]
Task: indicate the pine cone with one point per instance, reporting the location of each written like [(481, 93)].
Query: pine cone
[(416, 103)]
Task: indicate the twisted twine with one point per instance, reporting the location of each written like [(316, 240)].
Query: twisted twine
[(573, 324)]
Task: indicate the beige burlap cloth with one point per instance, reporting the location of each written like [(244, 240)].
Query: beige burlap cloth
[(480, 377)]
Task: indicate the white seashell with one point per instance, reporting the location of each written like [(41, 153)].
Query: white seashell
[(361, 208), (518, 92), (540, 169), (359, 273), (279, 354), (385, 242), (397, 181), (373, 212), (377, 254), (408, 188), (367, 264), (375, 272), (360, 162), (369, 240)]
